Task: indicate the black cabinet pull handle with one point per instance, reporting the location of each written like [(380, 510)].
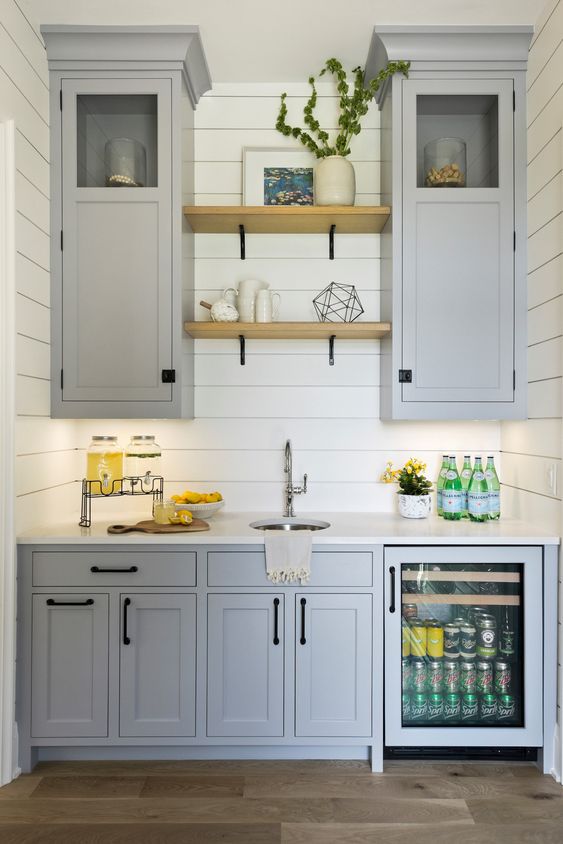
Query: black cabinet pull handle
[(276, 611), (87, 603), (303, 640), (126, 639), (392, 604), (124, 570)]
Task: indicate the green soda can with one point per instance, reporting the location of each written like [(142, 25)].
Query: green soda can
[(506, 707), (484, 677), (469, 707), (488, 708), (452, 706), (435, 675), (406, 667), (406, 707), (419, 707), (435, 707), (419, 674)]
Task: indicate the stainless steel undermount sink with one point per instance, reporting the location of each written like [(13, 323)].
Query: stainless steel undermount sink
[(292, 523)]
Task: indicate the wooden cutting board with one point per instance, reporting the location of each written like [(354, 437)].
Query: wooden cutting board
[(150, 526)]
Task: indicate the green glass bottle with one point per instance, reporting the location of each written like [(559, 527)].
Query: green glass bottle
[(440, 484), (493, 487), (478, 494), (452, 493), (465, 478)]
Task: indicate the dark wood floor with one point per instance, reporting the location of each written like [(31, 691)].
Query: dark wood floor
[(281, 803)]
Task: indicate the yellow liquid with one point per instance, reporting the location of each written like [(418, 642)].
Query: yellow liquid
[(106, 467)]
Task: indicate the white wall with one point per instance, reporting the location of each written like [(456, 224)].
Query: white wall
[(46, 462), (530, 449), (287, 389)]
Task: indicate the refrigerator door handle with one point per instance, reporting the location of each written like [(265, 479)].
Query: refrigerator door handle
[(392, 577)]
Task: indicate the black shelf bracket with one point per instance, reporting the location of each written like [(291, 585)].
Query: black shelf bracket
[(331, 242), (242, 242), (242, 349), (331, 340)]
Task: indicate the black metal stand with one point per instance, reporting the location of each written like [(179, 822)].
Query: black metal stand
[(331, 242), (141, 485), (331, 340), (242, 242), (242, 349)]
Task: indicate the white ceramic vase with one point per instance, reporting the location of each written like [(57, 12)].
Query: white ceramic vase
[(335, 181), (415, 506)]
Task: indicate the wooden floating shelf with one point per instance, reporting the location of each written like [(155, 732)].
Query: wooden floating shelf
[(475, 576), (312, 219), (287, 330), (477, 600)]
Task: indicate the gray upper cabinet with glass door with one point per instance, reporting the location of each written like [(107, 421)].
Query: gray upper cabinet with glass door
[(453, 269), (122, 103)]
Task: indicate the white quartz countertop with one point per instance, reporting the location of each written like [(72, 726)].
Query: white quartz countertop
[(346, 528)]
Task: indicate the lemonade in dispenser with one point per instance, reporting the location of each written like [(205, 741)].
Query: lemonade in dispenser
[(104, 463)]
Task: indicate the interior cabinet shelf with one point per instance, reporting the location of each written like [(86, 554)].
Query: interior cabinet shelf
[(288, 330), (482, 600), (314, 219), (475, 576)]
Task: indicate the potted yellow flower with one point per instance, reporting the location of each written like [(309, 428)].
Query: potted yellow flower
[(415, 500)]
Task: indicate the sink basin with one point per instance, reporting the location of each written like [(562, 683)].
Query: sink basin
[(293, 523)]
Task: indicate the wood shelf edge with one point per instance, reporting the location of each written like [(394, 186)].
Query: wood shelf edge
[(287, 330)]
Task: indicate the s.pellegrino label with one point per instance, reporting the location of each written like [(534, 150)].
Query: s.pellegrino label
[(478, 494)]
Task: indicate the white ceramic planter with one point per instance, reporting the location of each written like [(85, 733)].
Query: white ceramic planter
[(335, 181), (415, 506)]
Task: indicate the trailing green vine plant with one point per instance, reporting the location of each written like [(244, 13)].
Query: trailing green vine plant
[(353, 106)]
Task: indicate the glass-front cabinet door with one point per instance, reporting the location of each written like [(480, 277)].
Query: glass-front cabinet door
[(116, 240), (464, 646)]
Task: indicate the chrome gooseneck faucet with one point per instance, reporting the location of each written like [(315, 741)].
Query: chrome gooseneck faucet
[(290, 489)]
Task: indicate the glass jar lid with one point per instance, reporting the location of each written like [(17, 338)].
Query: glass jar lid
[(143, 437), (104, 439)]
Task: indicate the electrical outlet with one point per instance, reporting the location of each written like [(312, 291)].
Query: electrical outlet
[(551, 478)]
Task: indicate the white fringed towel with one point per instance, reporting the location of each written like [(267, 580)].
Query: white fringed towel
[(288, 555)]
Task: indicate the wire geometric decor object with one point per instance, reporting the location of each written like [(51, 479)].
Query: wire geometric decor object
[(338, 303)]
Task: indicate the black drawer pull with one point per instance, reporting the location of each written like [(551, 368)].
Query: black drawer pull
[(87, 603), (303, 640), (276, 610), (123, 570), (392, 604), (126, 639)]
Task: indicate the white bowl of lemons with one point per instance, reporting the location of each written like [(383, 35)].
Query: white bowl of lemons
[(202, 505)]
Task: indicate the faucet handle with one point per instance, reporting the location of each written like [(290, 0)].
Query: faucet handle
[(301, 490), (305, 482)]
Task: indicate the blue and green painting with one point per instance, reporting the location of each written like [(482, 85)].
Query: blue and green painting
[(288, 185)]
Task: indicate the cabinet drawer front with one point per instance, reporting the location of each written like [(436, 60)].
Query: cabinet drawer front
[(132, 568), (328, 568)]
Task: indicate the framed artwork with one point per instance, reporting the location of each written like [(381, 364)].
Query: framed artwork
[(277, 176)]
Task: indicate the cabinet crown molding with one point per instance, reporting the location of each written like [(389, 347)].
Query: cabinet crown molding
[(130, 48)]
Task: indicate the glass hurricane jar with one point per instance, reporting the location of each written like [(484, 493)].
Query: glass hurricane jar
[(126, 163), (143, 458), (104, 463), (445, 163)]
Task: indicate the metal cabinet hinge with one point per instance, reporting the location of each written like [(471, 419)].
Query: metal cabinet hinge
[(514, 101), (61, 99), (61, 240), (514, 379), (514, 241), (62, 379), (405, 376), (168, 376)]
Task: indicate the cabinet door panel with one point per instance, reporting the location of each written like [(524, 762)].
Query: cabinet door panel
[(333, 665), (244, 666), (69, 672), (158, 666)]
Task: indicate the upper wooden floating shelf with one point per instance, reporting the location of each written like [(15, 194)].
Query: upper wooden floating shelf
[(312, 219), (287, 330)]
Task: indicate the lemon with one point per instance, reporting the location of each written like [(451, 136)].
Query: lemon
[(181, 517)]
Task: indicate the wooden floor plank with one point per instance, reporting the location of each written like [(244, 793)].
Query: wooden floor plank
[(236, 767), (22, 787), (192, 786), (142, 834), (383, 787), (414, 834), (409, 768), (542, 808), (92, 786), (388, 811)]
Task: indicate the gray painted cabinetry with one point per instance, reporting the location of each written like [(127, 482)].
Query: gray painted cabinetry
[(122, 101), (453, 270)]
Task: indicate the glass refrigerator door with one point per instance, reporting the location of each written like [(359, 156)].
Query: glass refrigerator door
[(464, 647)]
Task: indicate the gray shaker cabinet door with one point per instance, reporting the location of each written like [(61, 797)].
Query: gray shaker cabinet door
[(69, 674), (458, 265), (333, 665), (116, 263), (244, 665), (158, 665)]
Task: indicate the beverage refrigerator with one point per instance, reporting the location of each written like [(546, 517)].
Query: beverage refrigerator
[(468, 663)]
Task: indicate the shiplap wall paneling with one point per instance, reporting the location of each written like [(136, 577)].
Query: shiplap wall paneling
[(46, 458)]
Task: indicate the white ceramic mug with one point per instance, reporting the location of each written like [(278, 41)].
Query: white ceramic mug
[(247, 308), (230, 296), (267, 305), (250, 287)]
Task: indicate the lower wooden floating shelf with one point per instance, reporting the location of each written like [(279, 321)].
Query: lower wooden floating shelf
[(288, 330), (480, 600)]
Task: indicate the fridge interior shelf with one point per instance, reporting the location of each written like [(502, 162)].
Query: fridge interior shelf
[(473, 576), (494, 600)]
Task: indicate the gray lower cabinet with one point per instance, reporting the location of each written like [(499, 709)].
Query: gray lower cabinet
[(157, 665), (69, 671), (333, 665), (245, 660)]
